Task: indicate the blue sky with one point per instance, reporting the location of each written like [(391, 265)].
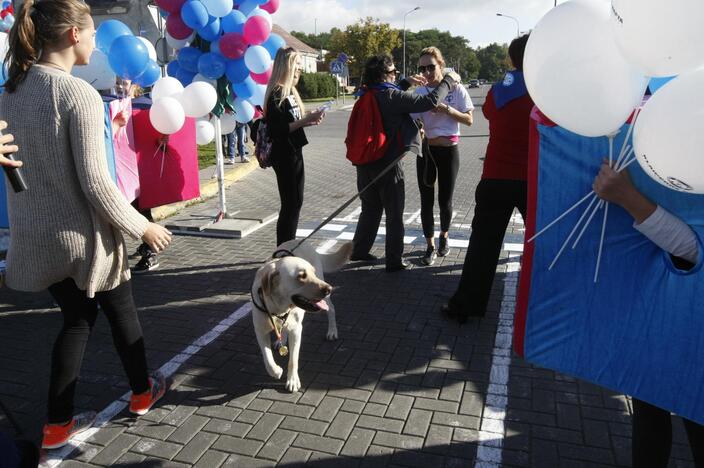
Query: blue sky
[(474, 19)]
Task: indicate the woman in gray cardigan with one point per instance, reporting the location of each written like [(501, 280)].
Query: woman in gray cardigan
[(66, 229)]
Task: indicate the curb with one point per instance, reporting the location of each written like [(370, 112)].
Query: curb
[(208, 190)]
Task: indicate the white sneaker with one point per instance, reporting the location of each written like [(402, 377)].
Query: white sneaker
[(245, 159)]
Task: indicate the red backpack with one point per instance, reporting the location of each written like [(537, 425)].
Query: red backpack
[(366, 139)]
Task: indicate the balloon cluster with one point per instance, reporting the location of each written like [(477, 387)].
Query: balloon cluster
[(236, 47), (588, 63), (7, 16), (172, 103), (129, 56)]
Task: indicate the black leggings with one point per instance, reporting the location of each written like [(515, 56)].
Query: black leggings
[(80, 313), (445, 167), (652, 436), (290, 179)]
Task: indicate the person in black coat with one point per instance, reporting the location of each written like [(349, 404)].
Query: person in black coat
[(285, 116), (388, 194)]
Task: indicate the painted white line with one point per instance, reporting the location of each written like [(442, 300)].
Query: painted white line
[(459, 243), (491, 427), (334, 227), (353, 216), (413, 217), (513, 247), (325, 246), (346, 236), (303, 232), (55, 457)]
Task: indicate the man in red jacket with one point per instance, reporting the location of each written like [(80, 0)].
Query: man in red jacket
[(501, 189)]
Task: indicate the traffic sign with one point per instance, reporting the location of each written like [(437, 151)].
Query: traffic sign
[(337, 67)]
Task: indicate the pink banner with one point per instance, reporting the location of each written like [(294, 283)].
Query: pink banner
[(168, 164), (125, 155)]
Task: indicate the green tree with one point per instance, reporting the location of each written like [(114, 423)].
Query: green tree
[(494, 61), (455, 49), (363, 39)]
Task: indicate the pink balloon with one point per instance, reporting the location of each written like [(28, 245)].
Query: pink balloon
[(176, 27), (262, 78), (256, 30), (271, 6), (172, 6), (233, 45)]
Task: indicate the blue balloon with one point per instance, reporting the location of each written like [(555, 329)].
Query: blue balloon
[(107, 32), (247, 6), (244, 111), (215, 47), (128, 57), (185, 77), (233, 22), (173, 68), (188, 58), (194, 14), (149, 75), (245, 89), (657, 83), (211, 31), (212, 65), (237, 71), (258, 96), (273, 44)]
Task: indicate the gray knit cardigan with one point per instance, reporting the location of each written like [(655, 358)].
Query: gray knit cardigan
[(68, 223)]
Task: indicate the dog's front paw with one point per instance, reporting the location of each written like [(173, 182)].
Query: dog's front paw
[(275, 371), (293, 383), (332, 334)]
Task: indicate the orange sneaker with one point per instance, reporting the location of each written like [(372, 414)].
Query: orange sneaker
[(140, 404), (58, 435)]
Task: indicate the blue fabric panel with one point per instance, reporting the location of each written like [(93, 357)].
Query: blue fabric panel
[(640, 329), (109, 150)]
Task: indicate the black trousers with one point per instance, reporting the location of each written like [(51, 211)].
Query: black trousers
[(386, 195), (652, 437), (495, 201), (290, 179), (147, 213), (79, 313), (441, 163)]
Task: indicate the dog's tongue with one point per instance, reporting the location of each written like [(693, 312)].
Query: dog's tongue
[(323, 305)]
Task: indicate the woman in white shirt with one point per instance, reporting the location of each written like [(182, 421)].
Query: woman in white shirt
[(441, 157)]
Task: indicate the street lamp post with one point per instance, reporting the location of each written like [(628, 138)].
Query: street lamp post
[(518, 28), (404, 37)]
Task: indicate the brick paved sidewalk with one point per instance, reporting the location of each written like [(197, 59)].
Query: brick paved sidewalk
[(401, 387)]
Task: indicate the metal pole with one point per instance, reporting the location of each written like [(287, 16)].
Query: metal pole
[(518, 26), (404, 38), (220, 169)]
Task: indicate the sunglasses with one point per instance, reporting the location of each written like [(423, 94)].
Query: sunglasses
[(426, 68), (394, 72)]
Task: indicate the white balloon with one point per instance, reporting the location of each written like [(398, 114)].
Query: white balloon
[(668, 137), (97, 73), (205, 79), (575, 73), (227, 123), (198, 99), (167, 86), (167, 116), (150, 47), (205, 132), (4, 44), (179, 43), (258, 96), (663, 38)]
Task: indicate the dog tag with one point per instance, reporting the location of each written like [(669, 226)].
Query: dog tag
[(283, 351)]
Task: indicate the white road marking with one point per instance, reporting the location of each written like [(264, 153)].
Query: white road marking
[(491, 429)]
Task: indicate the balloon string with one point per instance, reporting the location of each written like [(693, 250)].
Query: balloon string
[(574, 229)]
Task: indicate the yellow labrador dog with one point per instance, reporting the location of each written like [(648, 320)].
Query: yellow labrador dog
[(283, 290)]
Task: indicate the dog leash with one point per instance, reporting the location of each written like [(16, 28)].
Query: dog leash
[(349, 202)]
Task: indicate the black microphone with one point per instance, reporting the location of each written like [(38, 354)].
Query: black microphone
[(14, 175)]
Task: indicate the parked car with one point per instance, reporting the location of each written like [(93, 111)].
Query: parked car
[(473, 83), (482, 81)]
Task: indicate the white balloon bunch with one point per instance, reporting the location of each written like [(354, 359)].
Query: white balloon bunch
[(172, 103)]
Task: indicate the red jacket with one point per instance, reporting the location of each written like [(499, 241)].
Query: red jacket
[(507, 153)]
